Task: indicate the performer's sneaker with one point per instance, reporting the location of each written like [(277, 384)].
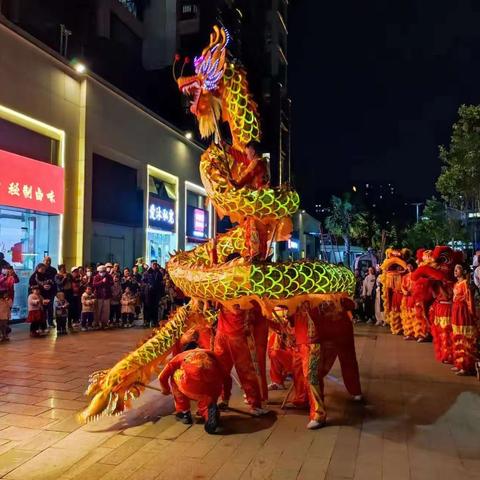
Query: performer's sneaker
[(213, 419), (258, 412), (461, 373), (276, 386), (357, 398), (454, 369), (314, 424), (184, 417)]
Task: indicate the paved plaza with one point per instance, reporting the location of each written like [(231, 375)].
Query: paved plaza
[(419, 421)]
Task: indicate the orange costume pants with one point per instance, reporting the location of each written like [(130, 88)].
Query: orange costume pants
[(281, 359), (308, 380), (236, 351)]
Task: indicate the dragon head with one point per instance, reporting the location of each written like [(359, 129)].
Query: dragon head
[(204, 88), (438, 264)]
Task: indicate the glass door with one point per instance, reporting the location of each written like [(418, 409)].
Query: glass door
[(26, 237)]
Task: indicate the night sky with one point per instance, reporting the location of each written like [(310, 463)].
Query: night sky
[(375, 87)]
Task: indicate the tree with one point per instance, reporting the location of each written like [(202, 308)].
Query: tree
[(344, 221), (460, 178), (436, 227)]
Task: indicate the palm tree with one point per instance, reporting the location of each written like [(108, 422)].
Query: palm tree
[(345, 222)]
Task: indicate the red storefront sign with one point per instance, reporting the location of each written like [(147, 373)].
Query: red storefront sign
[(30, 184)]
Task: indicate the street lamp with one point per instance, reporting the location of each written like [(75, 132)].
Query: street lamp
[(417, 204), (80, 68)]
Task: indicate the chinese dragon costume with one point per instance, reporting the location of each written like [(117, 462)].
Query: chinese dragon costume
[(232, 269)]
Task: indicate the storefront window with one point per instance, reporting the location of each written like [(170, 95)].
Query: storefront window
[(162, 220), (26, 237), (197, 220)]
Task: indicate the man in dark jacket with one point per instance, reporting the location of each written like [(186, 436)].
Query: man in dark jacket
[(102, 286), (153, 291), (50, 274)]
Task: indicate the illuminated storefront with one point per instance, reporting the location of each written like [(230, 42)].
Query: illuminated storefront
[(31, 205), (197, 216), (162, 215)]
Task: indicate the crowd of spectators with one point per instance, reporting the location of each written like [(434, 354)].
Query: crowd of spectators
[(90, 297)]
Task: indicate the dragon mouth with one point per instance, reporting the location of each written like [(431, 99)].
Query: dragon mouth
[(192, 90)]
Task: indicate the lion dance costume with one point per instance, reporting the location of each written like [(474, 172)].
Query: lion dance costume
[(436, 272), (230, 271), (394, 267)]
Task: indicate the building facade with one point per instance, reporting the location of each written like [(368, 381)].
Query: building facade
[(93, 176)]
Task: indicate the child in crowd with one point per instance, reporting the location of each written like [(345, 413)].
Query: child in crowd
[(5, 308), (115, 310), (88, 307), (36, 313), (60, 307), (128, 302)]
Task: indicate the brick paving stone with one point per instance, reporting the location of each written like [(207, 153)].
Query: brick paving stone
[(22, 409), (18, 433), (27, 421), (122, 452), (14, 458), (63, 403), (29, 399), (43, 440)]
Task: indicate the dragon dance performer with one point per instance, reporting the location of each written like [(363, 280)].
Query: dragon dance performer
[(306, 365), (235, 346), (323, 334), (337, 340), (408, 303), (194, 374), (252, 171), (281, 360), (465, 332)]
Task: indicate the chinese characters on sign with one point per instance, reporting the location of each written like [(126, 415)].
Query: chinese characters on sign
[(161, 214), (30, 184), (27, 192)]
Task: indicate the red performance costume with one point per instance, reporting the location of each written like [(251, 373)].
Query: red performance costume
[(323, 334), (235, 346), (194, 375), (281, 358), (465, 333), (337, 340), (307, 372)]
